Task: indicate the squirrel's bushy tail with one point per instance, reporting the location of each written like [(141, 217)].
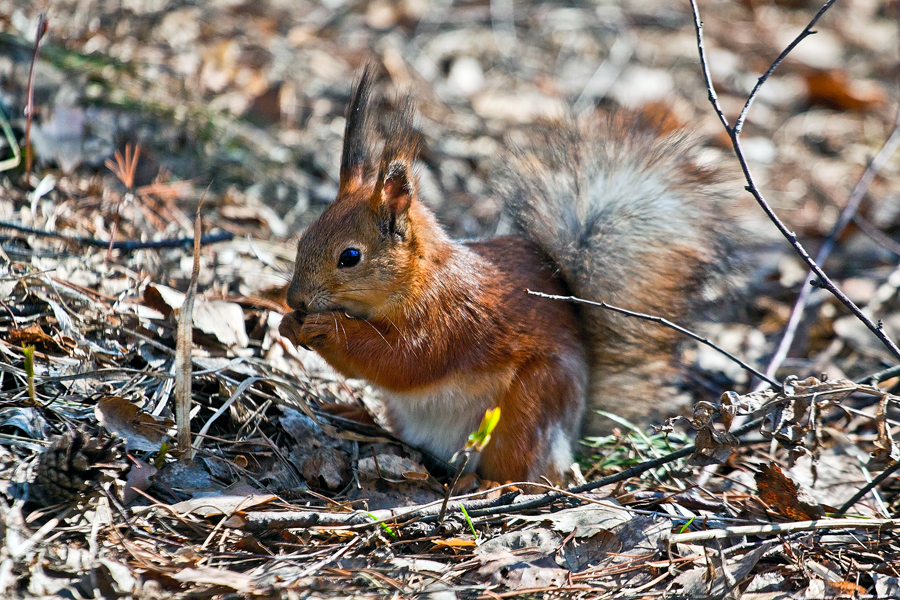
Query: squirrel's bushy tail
[(631, 219)]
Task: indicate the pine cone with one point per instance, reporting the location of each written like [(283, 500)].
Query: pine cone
[(74, 465)]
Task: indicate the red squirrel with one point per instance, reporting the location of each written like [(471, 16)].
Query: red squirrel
[(604, 211)]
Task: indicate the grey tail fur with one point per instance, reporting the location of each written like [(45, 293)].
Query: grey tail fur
[(630, 219)]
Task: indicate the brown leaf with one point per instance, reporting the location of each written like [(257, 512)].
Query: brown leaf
[(835, 89), (140, 430), (712, 447), (784, 496), (33, 335), (326, 469), (218, 318), (138, 479)]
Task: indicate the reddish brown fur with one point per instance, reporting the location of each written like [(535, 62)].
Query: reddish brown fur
[(498, 331)]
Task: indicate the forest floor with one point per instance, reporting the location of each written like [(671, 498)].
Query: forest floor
[(144, 109)]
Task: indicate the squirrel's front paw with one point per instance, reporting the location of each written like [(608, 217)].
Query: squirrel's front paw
[(307, 331), (290, 327)]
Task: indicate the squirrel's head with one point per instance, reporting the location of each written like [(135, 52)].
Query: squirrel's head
[(359, 256)]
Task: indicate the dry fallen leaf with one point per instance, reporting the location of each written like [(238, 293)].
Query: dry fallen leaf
[(218, 318), (210, 504), (236, 581), (783, 495), (140, 430), (33, 335), (836, 90)]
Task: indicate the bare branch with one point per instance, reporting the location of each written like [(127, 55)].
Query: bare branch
[(824, 281), (807, 31), (713, 98), (661, 321), (847, 215)]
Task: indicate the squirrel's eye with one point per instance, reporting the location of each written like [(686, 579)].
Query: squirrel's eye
[(349, 258)]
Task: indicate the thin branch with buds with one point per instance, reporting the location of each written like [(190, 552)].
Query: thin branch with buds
[(734, 133), (848, 214)]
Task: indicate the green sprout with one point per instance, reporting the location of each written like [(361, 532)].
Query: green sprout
[(160, 461), (383, 525), (479, 439), (28, 351), (469, 519)]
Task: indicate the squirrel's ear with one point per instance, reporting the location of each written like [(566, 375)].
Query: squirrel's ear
[(396, 187), (397, 190), (394, 196)]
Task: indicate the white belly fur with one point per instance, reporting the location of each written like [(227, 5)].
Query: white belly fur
[(440, 418)]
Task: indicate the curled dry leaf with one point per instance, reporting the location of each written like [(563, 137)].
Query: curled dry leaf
[(33, 335), (712, 446), (790, 414), (140, 430), (783, 495), (886, 450)]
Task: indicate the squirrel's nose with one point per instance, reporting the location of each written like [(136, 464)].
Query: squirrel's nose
[(295, 298)]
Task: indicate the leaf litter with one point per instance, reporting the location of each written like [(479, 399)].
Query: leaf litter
[(284, 497)]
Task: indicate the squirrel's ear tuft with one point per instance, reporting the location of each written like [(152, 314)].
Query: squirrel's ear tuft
[(396, 187), (355, 160)]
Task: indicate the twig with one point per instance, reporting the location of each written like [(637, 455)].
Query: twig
[(127, 245), (710, 88), (751, 187), (880, 376), (876, 235), (781, 528), (807, 31), (634, 471), (464, 460), (867, 488), (267, 521), (661, 321), (29, 105), (183, 346), (274, 521), (875, 165)]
